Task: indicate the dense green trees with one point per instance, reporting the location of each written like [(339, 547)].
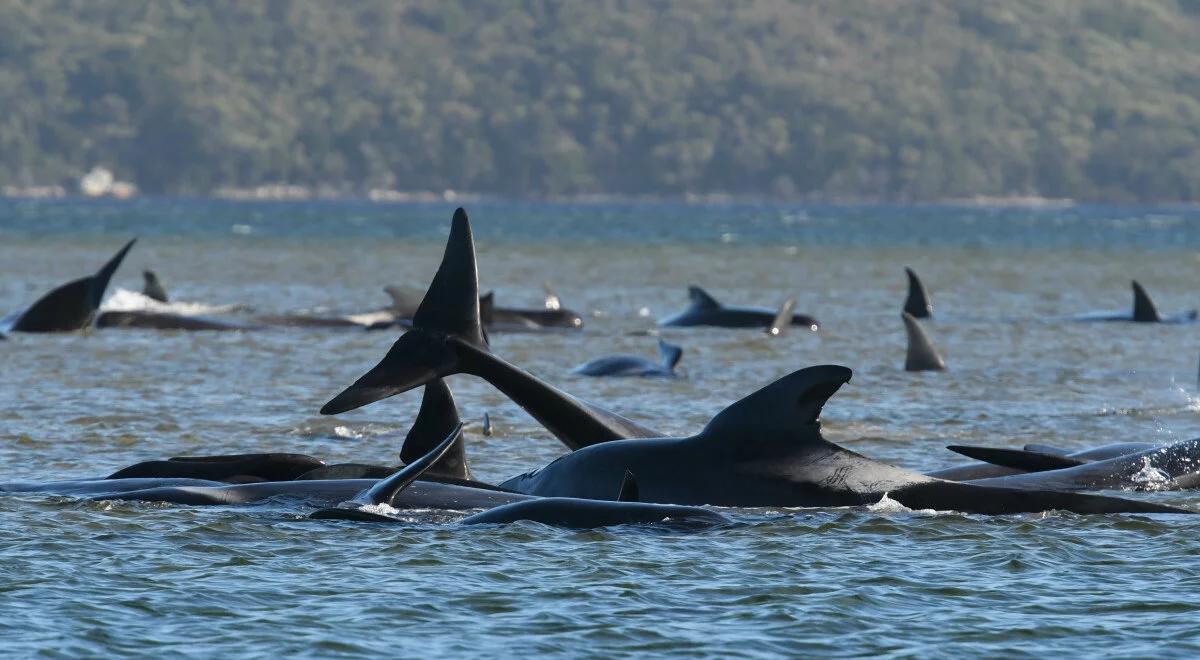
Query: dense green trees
[(890, 99)]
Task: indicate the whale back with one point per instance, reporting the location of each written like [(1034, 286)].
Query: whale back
[(73, 305), (1144, 310), (921, 355)]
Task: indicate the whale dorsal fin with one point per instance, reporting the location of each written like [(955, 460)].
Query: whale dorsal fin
[(404, 301), (1017, 459), (1144, 310), (629, 488), (386, 490), (921, 356), (700, 298), (73, 305), (152, 288), (787, 404), (670, 354), (451, 305), (917, 302), (783, 318), (553, 303), (437, 417)]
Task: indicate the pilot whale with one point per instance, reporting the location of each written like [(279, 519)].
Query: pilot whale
[(1171, 467), (634, 365), (447, 338), (1144, 311), (558, 511), (705, 310), (997, 466), (71, 306), (767, 450)]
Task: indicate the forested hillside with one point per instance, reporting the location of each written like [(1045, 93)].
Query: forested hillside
[(862, 99)]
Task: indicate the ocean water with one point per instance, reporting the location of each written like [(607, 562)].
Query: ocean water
[(100, 579)]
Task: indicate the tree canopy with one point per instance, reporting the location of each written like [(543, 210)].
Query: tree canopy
[(865, 99)]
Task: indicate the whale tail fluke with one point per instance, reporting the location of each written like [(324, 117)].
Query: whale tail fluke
[(921, 355), (437, 417), (1144, 310), (449, 311), (629, 488), (670, 355), (1017, 459), (73, 305), (152, 288), (917, 302), (783, 318)]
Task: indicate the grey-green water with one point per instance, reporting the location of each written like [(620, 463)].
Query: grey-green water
[(98, 579)]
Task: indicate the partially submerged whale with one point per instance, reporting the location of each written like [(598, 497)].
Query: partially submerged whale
[(917, 303), (921, 355), (447, 338), (705, 310), (231, 468), (71, 306), (996, 466), (154, 320), (558, 511), (634, 365), (767, 450), (1144, 311), (1170, 467)]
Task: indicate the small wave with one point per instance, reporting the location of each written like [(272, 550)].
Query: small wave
[(124, 300), (887, 505)]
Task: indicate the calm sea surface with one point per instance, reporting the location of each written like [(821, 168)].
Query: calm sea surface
[(98, 579)]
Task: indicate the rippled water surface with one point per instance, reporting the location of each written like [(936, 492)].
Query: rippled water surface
[(97, 579)]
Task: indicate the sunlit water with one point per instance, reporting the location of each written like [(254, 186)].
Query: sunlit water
[(96, 579)]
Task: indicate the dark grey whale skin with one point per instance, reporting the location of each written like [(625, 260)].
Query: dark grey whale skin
[(447, 338), (704, 310), (1172, 467), (972, 471), (73, 305), (767, 450)]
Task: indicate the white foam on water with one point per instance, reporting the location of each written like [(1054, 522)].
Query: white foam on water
[(124, 300)]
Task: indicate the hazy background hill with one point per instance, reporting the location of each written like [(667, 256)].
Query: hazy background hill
[(857, 99)]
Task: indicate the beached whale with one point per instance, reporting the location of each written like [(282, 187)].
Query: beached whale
[(767, 450), (634, 365), (704, 310), (1144, 311)]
